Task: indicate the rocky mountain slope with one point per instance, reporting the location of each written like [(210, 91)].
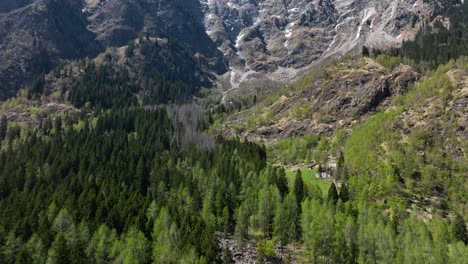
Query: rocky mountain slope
[(336, 96), (36, 35), (278, 39), (361, 101), (236, 40)]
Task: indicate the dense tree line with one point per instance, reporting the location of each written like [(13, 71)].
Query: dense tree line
[(114, 188), (107, 85), (117, 187), (116, 177), (436, 43)]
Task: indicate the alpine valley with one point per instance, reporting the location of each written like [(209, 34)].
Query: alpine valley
[(234, 131)]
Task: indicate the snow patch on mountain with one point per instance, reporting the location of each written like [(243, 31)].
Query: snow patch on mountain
[(276, 38)]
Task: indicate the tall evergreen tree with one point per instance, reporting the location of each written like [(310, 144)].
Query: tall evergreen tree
[(299, 188), (333, 194), (59, 251), (458, 229), (282, 182), (3, 127), (344, 192)]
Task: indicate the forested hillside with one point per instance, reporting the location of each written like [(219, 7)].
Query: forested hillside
[(116, 187), (124, 158)]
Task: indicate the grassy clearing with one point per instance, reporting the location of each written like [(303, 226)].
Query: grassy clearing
[(309, 178)]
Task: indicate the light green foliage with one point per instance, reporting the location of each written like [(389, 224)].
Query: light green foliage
[(36, 249), (297, 150), (242, 226), (100, 244), (269, 199), (265, 250), (316, 186), (318, 230), (59, 252), (389, 61), (63, 222), (133, 248), (11, 248), (458, 253), (165, 239), (414, 242), (376, 239), (303, 111), (286, 220)]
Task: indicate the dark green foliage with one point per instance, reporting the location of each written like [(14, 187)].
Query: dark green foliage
[(365, 51), (104, 87), (333, 194), (97, 182), (37, 87), (344, 192), (459, 229), (299, 188), (3, 127), (437, 45), (282, 182)]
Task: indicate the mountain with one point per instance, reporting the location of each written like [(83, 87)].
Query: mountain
[(35, 35), (233, 131), (38, 34), (279, 39), (231, 41)]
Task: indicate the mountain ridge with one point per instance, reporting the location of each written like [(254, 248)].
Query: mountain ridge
[(235, 40)]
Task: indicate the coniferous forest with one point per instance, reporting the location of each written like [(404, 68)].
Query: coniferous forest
[(112, 182)]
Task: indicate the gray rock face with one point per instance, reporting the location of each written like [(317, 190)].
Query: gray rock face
[(248, 39), (280, 38), (34, 35)]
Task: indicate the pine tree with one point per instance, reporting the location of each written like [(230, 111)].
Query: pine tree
[(365, 51), (59, 251), (242, 226), (344, 192), (165, 239), (333, 194), (282, 182), (299, 189), (286, 220), (458, 229), (340, 167), (3, 127), (142, 176), (58, 125), (99, 246)]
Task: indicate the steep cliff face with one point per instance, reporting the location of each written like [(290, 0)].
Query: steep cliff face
[(277, 39)]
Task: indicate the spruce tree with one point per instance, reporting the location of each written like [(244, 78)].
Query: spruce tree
[(282, 182), (299, 191), (333, 194), (344, 192), (59, 251), (459, 229), (3, 127), (365, 51)]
